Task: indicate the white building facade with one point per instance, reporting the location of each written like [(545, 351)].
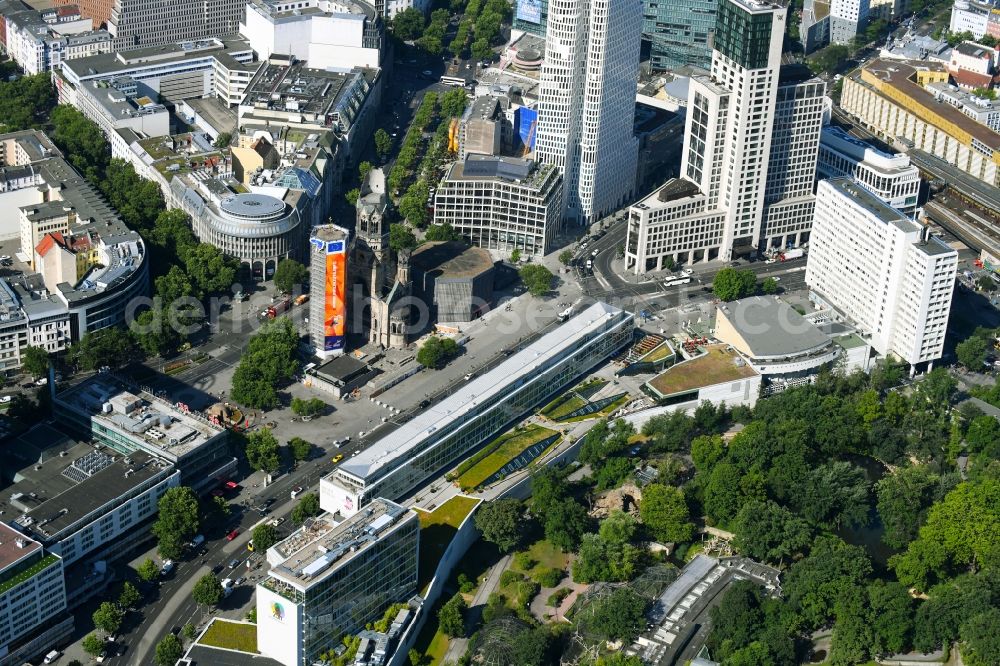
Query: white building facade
[(33, 590), (586, 105), (880, 270), (749, 123), (324, 33), (889, 177), (500, 208), (847, 19)]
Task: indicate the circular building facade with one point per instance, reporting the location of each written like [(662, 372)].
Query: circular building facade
[(258, 229)]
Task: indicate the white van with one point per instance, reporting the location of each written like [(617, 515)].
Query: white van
[(52, 656)]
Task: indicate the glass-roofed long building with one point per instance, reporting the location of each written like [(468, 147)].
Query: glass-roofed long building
[(484, 407)]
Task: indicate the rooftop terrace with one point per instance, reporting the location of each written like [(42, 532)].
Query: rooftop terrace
[(717, 365)]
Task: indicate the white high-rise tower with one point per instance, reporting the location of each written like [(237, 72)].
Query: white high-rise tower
[(586, 105), (750, 152)]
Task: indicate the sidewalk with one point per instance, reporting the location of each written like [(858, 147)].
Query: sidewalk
[(458, 646)]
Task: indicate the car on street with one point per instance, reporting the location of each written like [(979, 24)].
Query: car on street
[(337, 458), (427, 72), (217, 568), (239, 581), (234, 563), (232, 535), (296, 491), (5, 399)]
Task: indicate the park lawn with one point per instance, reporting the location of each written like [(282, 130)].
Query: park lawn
[(504, 449), (437, 529), (546, 555), (431, 642), (231, 636)]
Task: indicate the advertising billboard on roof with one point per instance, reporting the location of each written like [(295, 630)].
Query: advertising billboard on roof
[(529, 10), (335, 302)]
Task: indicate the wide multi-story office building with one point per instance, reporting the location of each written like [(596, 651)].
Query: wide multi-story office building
[(971, 16), (881, 271), (751, 122), (40, 41), (501, 203), (127, 420), (679, 31), (141, 23), (891, 99), (330, 578), (174, 71), (586, 106), (324, 33), (88, 506), (486, 405), (889, 177), (32, 591)]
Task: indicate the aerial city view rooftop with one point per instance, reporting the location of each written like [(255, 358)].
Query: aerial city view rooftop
[(499, 332)]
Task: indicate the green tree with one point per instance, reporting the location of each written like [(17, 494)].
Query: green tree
[(129, 596), (81, 140), (618, 616), (401, 238), (262, 451), (481, 49), (26, 102), (769, 286), (501, 522), (108, 617), (706, 451), (451, 617), (566, 257), (92, 645), (289, 275), (300, 448), (537, 278), (891, 617), (207, 590), (768, 531), (829, 59), (413, 205), (189, 631), (442, 232), (971, 353), (310, 407), (619, 659), (154, 333), (364, 169), (731, 284), (35, 361), (209, 270), (981, 638), (223, 140), (177, 520), (147, 571), (962, 532), (436, 352), (665, 512), (453, 102), (814, 584), (270, 358), (903, 499), (383, 143), (168, 651), (408, 24), (307, 507), (113, 347), (264, 536), (352, 195), (565, 523)]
